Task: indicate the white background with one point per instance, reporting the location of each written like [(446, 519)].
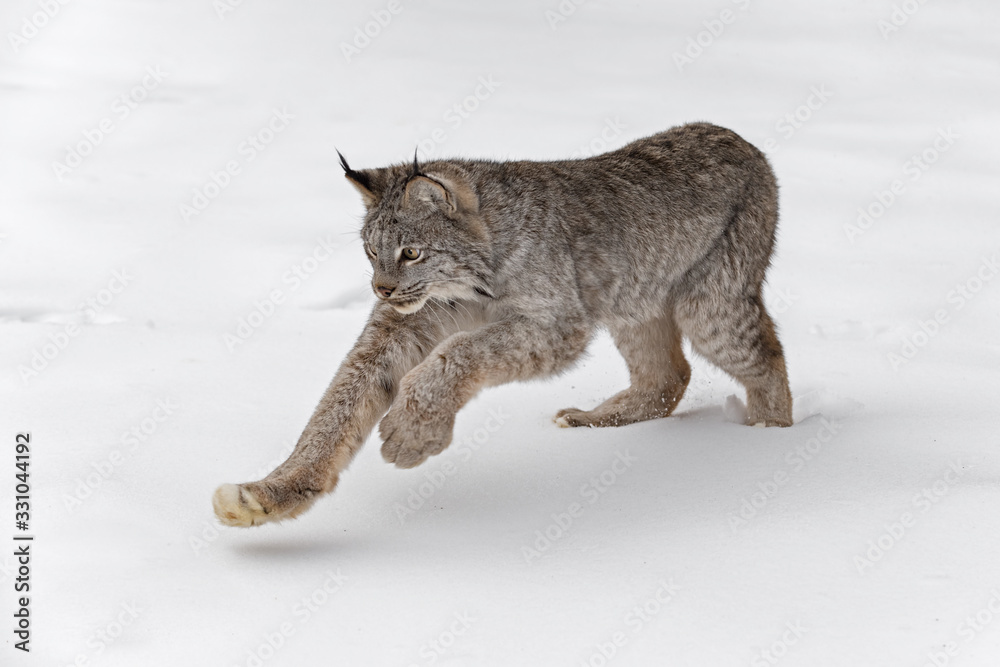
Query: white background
[(125, 519)]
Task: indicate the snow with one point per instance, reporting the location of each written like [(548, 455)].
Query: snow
[(687, 541)]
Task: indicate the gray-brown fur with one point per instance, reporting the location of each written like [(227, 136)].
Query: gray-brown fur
[(669, 236)]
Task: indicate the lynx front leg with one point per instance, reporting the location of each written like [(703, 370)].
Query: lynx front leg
[(360, 393), (419, 423)]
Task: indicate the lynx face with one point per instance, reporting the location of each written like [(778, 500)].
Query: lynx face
[(423, 235), (409, 268), (421, 255)]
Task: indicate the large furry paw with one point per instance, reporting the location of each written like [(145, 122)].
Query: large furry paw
[(625, 407), (782, 422), (409, 437), (571, 417), (237, 506), (268, 500)]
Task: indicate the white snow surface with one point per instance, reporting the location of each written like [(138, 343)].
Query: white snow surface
[(866, 534)]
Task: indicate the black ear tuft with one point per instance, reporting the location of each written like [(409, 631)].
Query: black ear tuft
[(416, 167), (358, 177), (343, 162)]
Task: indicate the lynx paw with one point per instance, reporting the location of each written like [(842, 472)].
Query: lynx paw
[(772, 422), (409, 439), (236, 506), (571, 417)]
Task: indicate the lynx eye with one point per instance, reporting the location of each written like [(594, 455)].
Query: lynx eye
[(410, 254), (371, 251)]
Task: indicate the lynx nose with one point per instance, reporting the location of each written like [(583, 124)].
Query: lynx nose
[(384, 292)]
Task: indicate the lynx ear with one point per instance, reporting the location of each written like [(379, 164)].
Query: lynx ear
[(362, 181), (452, 192)]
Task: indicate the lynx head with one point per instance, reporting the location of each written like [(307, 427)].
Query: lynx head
[(423, 233)]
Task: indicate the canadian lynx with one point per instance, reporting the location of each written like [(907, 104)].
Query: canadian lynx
[(492, 272)]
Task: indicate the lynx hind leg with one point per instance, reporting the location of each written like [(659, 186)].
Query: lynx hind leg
[(738, 336), (658, 371)]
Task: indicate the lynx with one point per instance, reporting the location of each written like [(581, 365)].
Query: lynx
[(491, 272)]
